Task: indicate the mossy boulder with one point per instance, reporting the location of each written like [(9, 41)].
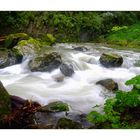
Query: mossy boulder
[(7, 58), (27, 47), (111, 60), (64, 123), (55, 107), (12, 39), (45, 62), (108, 84), (5, 102), (67, 70), (49, 39)]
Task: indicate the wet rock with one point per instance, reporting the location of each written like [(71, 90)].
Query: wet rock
[(55, 107), (17, 102), (12, 39), (111, 60), (59, 78), (64, 123), (108, 84), (82, 49), (7, 58), (5, 101), (46, 62), (67, 70)]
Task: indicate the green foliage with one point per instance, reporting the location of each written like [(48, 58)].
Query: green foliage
[(129, 36), (48, 38), (66, 26), (134, 81), (123, 111), (15, 37), (117, 28), (96, 117)]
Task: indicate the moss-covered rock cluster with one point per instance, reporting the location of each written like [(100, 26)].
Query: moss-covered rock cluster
[(15, 46)]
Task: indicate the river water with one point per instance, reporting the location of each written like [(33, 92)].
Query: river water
[(79, 91)]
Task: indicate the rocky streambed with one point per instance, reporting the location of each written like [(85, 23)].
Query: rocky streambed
[(57, 86)]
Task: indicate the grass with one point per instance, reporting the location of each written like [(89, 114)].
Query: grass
[(126, 37)]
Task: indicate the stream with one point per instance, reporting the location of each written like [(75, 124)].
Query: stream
[(79, 91)]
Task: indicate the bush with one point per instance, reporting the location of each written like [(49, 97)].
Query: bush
[(123, 111)]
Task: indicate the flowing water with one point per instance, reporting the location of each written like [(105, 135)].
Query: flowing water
[(79, 91)]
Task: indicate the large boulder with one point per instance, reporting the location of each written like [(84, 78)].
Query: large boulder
[(67, 70), (46, 62), (8, 58), (111, 60), (27, 47), (65, 123), (5, 101), (55, 107), (108, 84), (12, 39)]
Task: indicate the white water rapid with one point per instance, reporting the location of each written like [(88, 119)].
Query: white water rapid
[(79, 91)]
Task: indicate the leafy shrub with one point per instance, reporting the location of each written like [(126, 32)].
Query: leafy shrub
[(123, 111), (117, 28)]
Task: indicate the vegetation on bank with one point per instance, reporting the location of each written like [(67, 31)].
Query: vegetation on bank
[(123, 111), (125, 36), (72, 26)]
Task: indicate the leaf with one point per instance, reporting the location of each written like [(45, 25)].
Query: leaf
[(134, 81), (96, 117)]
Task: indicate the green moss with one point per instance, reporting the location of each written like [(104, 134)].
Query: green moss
[(55, 107), (60, 107), (29, 46), (48, 39), (12, 39)]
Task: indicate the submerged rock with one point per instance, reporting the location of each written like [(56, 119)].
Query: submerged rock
[(59, 78), (111, 60), (108, 84), (82, 49), (12, 39), (64, 123), (5, 101), (46, 62), (55, 107), (67, 70), (137, 63)]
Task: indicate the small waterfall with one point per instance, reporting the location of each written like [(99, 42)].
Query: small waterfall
[(79, 91)]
